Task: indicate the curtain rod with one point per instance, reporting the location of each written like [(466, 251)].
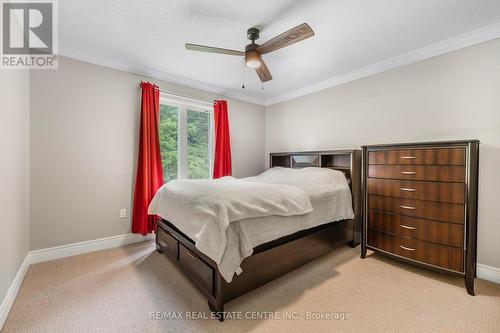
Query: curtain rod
[(183, 96)]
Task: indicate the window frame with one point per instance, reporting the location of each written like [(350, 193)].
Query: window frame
[(183, 104)]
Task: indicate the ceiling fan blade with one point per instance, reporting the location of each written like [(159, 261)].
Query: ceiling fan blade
[(210, 49), (288, 38), (263, 72)]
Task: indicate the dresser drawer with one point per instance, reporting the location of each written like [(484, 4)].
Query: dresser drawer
[(438, 255), (168, 244), (434, 254), (450, 234), (431, 191), (438, 156), (454, 213), (202, 272), (382, 241), (418, 172)]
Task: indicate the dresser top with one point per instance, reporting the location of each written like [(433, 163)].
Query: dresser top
[(424, 144)]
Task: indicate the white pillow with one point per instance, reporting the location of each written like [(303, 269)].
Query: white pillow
[(316, 182)]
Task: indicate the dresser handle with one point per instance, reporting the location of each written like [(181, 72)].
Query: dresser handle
[(406, 248), (409, 157), (407, 227), (409, 172), (407, 189), (407, 207)]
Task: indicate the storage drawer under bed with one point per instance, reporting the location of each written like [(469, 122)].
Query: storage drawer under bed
[(167, 243), (198, 269), (201, 272)]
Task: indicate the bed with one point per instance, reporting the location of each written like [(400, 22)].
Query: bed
[(262, 248)]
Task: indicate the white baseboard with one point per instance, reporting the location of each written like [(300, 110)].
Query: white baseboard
[(488, 273), (13, 290), (58, 252), (74, 249)]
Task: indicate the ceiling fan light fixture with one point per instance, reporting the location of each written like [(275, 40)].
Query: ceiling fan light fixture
[(252, 59), (253, 52)]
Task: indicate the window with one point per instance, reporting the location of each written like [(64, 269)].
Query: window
[(169, 118), (185, 138), (198, 150)]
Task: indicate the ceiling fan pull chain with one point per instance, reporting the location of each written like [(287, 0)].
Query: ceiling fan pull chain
[(262, 73), (243, 83)]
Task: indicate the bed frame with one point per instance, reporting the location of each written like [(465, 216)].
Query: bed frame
[(278, 257)]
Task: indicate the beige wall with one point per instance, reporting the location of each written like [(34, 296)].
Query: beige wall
[(14, 174), (84, 123), (453, 96)]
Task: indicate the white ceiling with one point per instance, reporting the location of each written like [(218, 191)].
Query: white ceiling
[(148, 36)]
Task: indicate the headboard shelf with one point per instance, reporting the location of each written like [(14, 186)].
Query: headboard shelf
[(333, 159), (281, 160), (336, 167)]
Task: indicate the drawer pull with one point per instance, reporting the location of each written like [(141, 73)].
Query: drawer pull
[(409, 157), (407, 189), (408, 207), (407, 227), (406, 248), (409, 172)]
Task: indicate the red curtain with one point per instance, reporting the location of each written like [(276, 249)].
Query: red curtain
[(222, 160), (149, 168)]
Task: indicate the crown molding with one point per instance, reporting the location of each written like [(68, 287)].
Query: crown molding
[(449, 45), (96, 59), (459, 42)]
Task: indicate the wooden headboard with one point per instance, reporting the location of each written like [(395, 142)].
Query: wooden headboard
[(347, 161)]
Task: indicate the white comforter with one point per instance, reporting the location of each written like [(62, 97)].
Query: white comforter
[(211, 212)]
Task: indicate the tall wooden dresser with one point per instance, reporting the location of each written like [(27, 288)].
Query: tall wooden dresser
[(420, 204)]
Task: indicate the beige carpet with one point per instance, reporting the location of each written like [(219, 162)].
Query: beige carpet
[(115, 291)]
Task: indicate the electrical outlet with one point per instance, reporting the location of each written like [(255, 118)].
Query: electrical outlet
[(123, 213)]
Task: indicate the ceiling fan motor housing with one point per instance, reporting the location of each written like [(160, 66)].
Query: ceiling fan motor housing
[(253, 34), (251, 47)]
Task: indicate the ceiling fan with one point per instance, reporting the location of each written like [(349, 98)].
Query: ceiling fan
[(253, 52)]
